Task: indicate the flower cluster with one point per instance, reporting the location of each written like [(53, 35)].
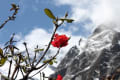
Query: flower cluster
[(60, 40), (59, 77)]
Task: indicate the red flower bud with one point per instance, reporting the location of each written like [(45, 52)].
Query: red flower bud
[(59, 77)]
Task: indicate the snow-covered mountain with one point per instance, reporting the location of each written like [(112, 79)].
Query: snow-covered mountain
[(98, 59)]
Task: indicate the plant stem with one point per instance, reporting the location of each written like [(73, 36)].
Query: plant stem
[(27, 53), (9, 18), (56, 27), (10, 69), (16, 68), (34, 59), (49, 60), (17, 73), (40, 70), (12, 78), (21, 71)]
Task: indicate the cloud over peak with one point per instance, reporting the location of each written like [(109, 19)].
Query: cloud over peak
[(98, 11)]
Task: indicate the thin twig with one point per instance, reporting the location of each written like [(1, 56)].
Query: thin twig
[(34, 59), (43, 75), (16, 68), (40, 70), (10, 69), (27, 52), (21, 72), (17, 73), (45, 64), (49, 60), (10, 18), (12, 78), (40, 76)]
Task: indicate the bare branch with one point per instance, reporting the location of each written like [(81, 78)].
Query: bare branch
[(40, 70), (10, 69), (56, 27), (10, 18), (27, 52), (49, 60)]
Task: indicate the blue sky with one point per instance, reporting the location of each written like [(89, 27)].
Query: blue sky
[(31, 15), (34, 27), (86, 13)]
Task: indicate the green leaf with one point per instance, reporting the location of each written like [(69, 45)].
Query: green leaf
[(49, 13), (68, 20), (22, 60), (66, 14), (24, 69), (2, 61), (62, 19), (13, 5), (1, 52), (37, 50), (28, 65), (46, 61), (51, 62)]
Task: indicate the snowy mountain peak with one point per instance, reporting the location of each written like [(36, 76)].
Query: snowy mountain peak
[(99, 57)]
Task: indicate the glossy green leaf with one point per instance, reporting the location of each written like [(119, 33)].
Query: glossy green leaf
[(2, 61), (49, 13)]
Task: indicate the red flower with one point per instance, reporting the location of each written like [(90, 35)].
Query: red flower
[(60, 40), (59, 77)]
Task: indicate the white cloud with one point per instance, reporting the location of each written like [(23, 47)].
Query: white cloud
[(35, 37), (73, 28), (41, 37), (98, 11), (79, 14)]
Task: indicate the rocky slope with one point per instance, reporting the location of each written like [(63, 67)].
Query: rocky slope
[(99, 59)]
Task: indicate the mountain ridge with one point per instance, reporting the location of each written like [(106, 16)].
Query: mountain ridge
[(99, 59)]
